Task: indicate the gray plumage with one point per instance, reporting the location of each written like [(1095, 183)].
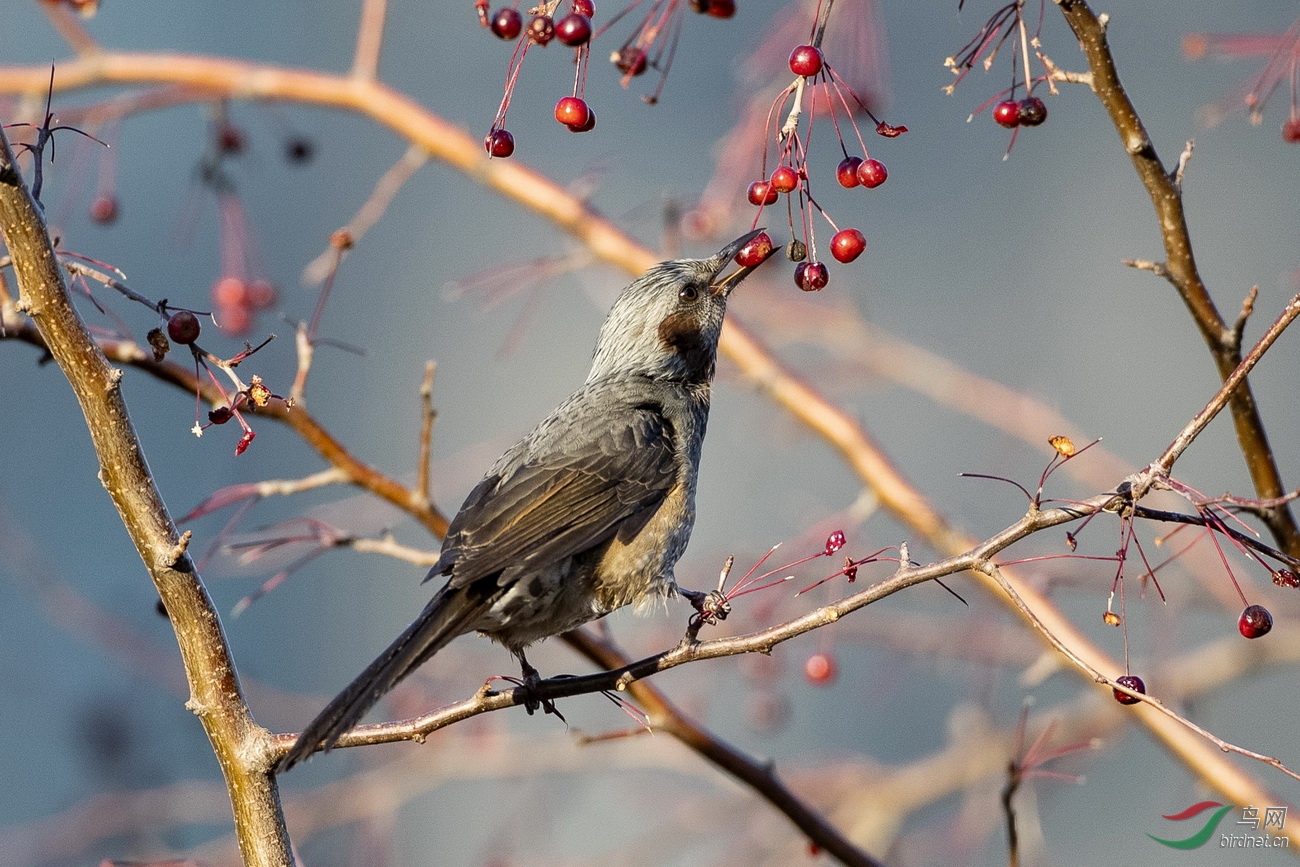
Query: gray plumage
[(592, 509)]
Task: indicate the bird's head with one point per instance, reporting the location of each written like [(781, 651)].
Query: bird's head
[(666, 324)]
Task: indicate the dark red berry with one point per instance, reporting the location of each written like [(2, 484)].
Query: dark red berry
[(1133, 682), (299, 150), (761, 193), (1032, 111), (722, 8), (183, 327), (103, 209), (848, 245), (589, 125), (820, 669), (244, 442), (499, 143), (1286, 578), (1255, 621), (541, 29), (573, 29), (1007, 113), (806, 60), (1291, 131), (847, 172), (811, 276), (507, 23), (756, 251), (230, 139), (872, 173), (220, 415), (584, 7), (629, 60), (784, 179), (572, 111)]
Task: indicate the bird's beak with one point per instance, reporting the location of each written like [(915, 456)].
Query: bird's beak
[(723, 285)]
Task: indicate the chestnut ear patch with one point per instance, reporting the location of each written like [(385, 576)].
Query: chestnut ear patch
[(680, 334)]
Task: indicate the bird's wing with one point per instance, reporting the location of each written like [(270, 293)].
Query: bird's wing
[(563, 490)]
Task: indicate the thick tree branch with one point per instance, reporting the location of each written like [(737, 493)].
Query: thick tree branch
[(241, 746)]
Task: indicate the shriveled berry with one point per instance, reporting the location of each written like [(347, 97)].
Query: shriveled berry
[(499, 143), (806, 60), (784, 179), (103, 209), (1291, 131), (573, 29), (583, 7), (848, 245), (722, 8), (183, 327), (796, 250), (820, 669), (630, 60), (541, 29), (572, 111), (872, 173), (761, 193), (1255, 621), (847, 172), (756, 251), (589, 125), (1007, 113), (507, 23), (1032, 111), (220, 415), (1133, 682), (811, 276)]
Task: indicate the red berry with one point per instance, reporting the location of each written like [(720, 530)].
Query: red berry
[(820, 669), (1255, 621), (589, 125), (507, 23), (1007, 113), (261, 294), (872, 173), (847, 172), (572, 111), (573, 29), (784, 179), (1032, 111), (103, 209), (629, 60), (761, 193), (806, 60), (584, 7), (1286, 578), (230, 139), (756, 251), (499, 143), (1133, 682), (541, 29), (1291, 131), (722, 8), (230, 292), (810, 276), (183, 327), (848, 245)]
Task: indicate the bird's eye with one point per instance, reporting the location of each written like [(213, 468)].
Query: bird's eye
[(689, 292)]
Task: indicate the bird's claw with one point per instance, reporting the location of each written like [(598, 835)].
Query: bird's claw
[(711, 608), (531, 681)]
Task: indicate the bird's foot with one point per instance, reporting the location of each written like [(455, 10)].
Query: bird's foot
[(531, 681), (711, 608)]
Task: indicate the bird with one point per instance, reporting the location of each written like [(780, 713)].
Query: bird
[(591, 510)]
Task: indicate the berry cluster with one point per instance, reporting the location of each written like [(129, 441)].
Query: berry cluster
[(1008, 112), (651, 44), (817, 89)]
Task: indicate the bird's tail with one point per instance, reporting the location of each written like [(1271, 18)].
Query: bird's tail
[(450, 613)]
